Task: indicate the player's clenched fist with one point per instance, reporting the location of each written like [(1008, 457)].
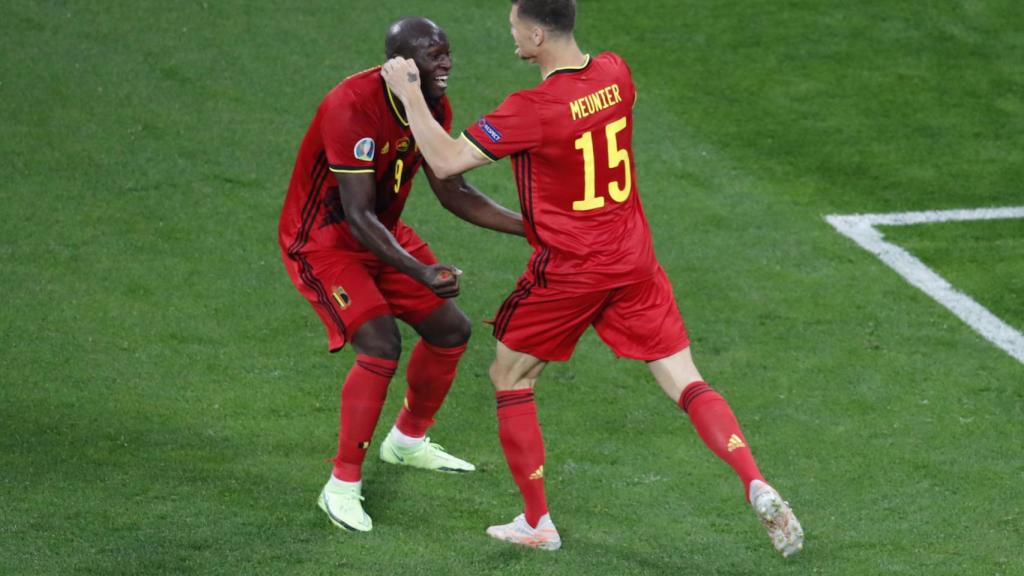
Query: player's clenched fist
[(442, 279), (402, 76)]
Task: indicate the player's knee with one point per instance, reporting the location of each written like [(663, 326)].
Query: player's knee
[(461, 330), (456, 332), (379, 338), (390, 349), (502, 378), (448, 327)]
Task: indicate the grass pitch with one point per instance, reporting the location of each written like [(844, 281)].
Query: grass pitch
[(166, 404)]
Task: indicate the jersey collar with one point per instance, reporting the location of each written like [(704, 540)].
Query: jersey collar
[(396, 105), (569, 69)]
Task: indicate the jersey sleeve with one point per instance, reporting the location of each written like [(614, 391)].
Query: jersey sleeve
[(349, 133), (623, 69), (513, 127)]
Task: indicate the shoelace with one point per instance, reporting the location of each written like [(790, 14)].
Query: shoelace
[(348, 494), (434, 445), (428, 444)]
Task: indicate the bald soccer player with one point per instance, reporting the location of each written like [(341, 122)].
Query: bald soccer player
[(361, 268)]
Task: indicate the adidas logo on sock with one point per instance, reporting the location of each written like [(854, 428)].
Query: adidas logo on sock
[(735, 442), (538, 473)]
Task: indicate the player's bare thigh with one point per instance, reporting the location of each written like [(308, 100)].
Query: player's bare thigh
[(675, 372), (513, 370)]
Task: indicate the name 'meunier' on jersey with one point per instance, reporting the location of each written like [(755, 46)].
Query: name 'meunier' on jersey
[(570, 139), (359, 128)]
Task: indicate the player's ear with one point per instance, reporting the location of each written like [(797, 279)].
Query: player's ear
[(537, 35)]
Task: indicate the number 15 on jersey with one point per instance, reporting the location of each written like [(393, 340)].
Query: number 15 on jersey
[(616, 156)]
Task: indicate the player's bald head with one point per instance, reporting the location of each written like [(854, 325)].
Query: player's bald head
[(407, 35)]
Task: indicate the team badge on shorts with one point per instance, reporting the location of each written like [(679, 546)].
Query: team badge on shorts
[(341, 297), (402, 145), (364, 149)]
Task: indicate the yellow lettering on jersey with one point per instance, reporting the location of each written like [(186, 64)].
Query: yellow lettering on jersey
[(616, 156), (595, 102), (577, 109), (399, 165)]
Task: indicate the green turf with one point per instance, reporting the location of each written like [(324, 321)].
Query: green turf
[(166, 404), (985, 260)]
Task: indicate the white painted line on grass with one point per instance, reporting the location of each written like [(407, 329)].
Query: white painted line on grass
[(861, 229)]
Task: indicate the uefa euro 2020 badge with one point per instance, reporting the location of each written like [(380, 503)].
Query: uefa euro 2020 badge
[(364, 150)]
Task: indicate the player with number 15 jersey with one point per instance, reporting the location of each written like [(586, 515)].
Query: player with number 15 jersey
[(571, 133), (570, 139)]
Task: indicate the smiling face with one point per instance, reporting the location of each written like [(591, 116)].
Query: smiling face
[(433, 57), (427, 45)]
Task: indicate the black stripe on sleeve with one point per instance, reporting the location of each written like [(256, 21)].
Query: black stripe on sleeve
[(355, 169), (476, 144)]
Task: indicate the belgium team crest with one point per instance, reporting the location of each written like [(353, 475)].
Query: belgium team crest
[(341, 297)]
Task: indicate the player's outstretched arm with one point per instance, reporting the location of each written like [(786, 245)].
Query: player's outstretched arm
[(465, 201), (358, 197), (446, 155)]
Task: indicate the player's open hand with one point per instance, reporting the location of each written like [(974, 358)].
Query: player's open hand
[(442, 279), (402, 76)]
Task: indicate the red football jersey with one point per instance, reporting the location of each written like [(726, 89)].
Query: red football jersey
[(360, 127), (571, 142)]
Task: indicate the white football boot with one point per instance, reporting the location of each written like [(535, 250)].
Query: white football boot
[(544, 536), (777, 518)]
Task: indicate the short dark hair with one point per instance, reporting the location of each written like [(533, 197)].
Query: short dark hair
[(555, 15)]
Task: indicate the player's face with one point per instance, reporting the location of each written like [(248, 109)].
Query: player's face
[(434, 60), (522, 35)]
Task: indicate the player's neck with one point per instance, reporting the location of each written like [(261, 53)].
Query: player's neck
[(564, 54), (431, 103)]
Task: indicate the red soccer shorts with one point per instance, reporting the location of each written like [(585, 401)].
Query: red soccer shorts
[(639, 321), (346, 289)]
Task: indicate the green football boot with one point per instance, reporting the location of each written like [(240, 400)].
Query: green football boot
[(426, 455), (344, 506)]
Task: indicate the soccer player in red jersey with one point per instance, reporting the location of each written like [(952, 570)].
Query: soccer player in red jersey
[(570, 139), (361, 267)]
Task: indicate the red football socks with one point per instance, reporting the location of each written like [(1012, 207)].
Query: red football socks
[(717, 426), (523, 444), (430, 374), (362, 398)]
